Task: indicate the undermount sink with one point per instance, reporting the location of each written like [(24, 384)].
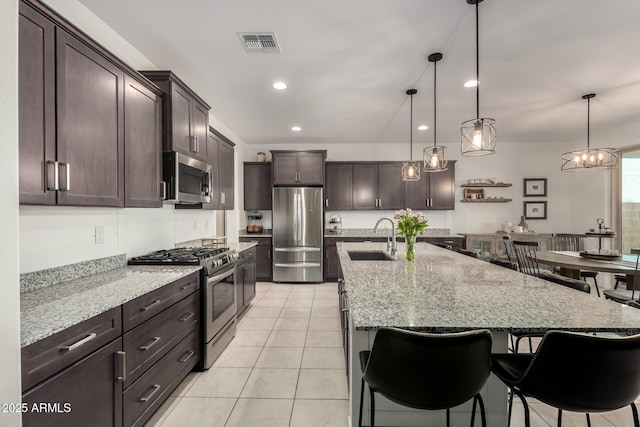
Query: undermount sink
[(369, 256)]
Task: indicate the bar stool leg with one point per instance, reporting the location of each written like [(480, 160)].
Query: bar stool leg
[(373, 408), (361, 399)]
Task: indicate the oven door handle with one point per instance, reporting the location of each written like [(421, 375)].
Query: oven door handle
[(223, 275)]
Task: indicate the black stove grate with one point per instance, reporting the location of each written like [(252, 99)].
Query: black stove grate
[(178, 256)]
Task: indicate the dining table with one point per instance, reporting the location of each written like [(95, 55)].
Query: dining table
[(571, 263)]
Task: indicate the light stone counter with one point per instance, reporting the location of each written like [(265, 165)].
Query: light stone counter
[(48, 310), (368, 232), (445, 291)]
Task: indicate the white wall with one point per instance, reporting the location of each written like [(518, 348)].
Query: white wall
[(54, 236), (574, 200), (9, 261)]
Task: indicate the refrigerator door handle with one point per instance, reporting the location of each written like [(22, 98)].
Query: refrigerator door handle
[(295, 217)]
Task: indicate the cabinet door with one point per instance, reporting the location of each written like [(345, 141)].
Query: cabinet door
[(36, 96), (263, 262), (143, 145), (249, 281), (418, 192), (181, 121), (310, 168), (339, 186), (391, 187), (199, 130), (88, 386), (331, 263), (442, 189), (90, 125), (226, 175), (239, 283), (365, 186), (257, 187), (213, 156), (285, 168)]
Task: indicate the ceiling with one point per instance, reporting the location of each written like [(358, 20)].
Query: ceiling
[(348, 64)]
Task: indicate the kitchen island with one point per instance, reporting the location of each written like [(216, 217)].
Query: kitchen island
[(443, 291)]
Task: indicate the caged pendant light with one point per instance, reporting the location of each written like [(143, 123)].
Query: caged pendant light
[(479, 134), (589, 159), (411, 169), (434, 158)]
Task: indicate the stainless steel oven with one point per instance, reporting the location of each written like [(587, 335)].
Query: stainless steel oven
[(220, 313)]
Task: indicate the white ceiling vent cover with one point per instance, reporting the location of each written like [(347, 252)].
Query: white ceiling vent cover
[(260, 42)]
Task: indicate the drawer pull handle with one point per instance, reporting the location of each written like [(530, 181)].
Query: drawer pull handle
[(183, 287), (150, 305), (83, 341), (187, 356), (121, 365), (156, 387), (186, 317), (151, 343)]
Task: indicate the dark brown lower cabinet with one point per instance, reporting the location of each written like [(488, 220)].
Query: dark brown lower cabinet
[(84, 393), (245, 279), (264, 265), (92, 374)]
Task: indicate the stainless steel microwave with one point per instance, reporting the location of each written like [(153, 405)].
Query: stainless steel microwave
[(187, 180)]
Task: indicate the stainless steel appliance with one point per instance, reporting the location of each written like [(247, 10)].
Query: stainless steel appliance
[(298, 214), (217, 288), (186, 180)]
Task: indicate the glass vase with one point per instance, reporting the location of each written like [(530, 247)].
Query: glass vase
[(410, 253)]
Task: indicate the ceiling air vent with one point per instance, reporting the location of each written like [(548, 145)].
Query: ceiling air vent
[(260, 42)]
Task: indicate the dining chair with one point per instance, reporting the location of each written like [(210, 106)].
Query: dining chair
[(427, 371), (527, 261), (504, 263), (441, 245), (621, 295), (575, 243), (508, 248), (574, 372)]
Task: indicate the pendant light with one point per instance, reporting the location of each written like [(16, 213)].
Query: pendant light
[(411, 169), (434, 158), (589, 159), (479, 134)]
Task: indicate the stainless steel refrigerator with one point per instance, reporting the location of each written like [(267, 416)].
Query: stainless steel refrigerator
[(297, 234)]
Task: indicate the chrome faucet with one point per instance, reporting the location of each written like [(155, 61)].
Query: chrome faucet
[(392, 244)]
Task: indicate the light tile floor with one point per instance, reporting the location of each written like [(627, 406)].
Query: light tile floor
[(285, 367)]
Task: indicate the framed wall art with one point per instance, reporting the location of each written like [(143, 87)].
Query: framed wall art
[(535, 187), (535, 210)]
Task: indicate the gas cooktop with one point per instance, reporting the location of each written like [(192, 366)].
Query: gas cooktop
[(212, 259)]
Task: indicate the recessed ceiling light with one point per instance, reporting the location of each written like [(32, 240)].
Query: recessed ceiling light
[(471, 83), (423, 127), (296, 128), (279, 85)]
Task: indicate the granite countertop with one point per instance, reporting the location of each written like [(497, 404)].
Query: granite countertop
[(197, 243), (244, 233), (446, 291), (369, 233), (48, 310)]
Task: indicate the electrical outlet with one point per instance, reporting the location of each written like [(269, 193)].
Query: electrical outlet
[(99, 235), (206, 224), (195, 224)]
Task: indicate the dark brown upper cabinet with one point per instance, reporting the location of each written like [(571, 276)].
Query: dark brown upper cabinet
[(338, 188), (90, 112), (221, 158), (299, 168), (434, 191), (185, 116), (143, 145), (37, 115), (257, 186), (72, 118), (378, 186)]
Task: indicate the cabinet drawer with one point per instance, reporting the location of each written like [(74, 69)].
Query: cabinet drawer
[(147, 343), (48, 356), (246, 254), (145, 395), (145, 307)]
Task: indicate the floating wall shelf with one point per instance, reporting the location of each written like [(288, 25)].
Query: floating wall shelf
[(500, 184), (485, 200)]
